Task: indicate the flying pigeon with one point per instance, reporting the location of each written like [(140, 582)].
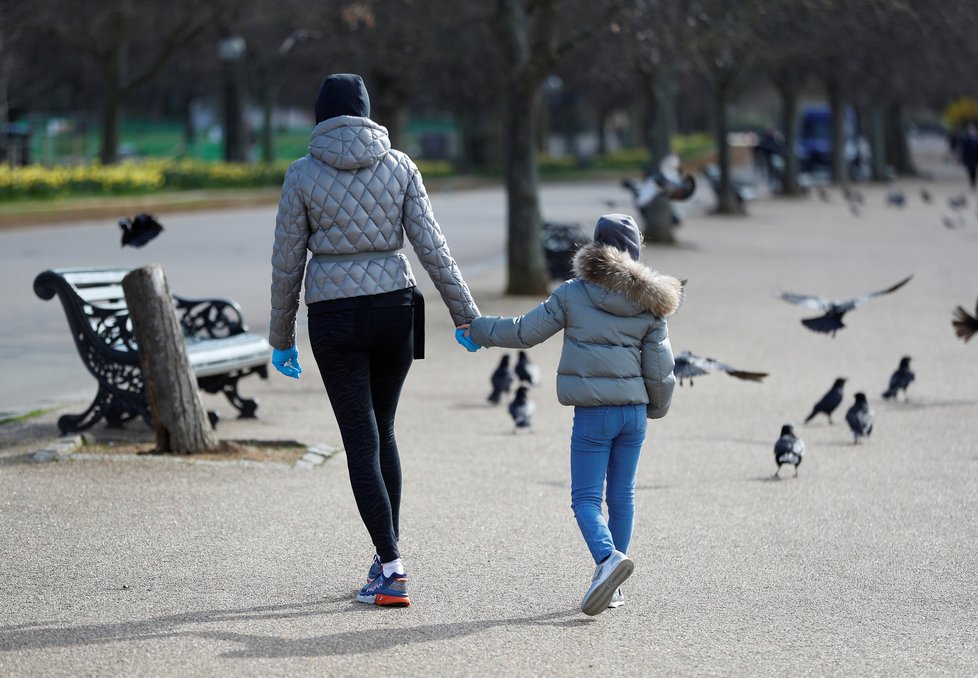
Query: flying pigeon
[(900, 380), (502, 380), (860, 418), (833, 310), (965, 325), (140, 230), (896, 198), (788, 449), (689, 365), (526, 370), (521, 410), (829, 401)]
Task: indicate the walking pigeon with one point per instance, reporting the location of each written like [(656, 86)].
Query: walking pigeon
[(829, 401), (521, 410), (900, 380), (860, 418), (501, 379), (833, 310), (788, 449), (689, 365)]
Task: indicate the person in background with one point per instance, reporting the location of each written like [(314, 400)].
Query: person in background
[(343, 216), (968, 152)]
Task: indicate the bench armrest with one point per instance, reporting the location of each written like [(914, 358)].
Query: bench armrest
[(209, 318)]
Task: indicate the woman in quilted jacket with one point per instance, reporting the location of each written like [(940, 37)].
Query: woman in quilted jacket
[(344, 212), (616, 370)]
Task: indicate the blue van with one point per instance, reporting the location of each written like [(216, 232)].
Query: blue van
[(814, 141)]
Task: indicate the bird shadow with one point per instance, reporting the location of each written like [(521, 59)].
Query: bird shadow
[(932, 404), (41, 635), (771, 478)]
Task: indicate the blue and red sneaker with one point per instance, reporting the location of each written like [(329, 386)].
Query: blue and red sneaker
[(386, 591)]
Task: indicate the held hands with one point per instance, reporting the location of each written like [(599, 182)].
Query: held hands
[(286, 361), (462, 336)]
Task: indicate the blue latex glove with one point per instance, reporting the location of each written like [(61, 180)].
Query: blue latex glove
[(286, 361), (465, 341)]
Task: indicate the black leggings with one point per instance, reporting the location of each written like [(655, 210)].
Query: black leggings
[(364, 354)]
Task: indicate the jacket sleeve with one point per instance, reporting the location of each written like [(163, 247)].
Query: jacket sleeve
[(432, 249), (657, 366), (524, 331), (288, 261)]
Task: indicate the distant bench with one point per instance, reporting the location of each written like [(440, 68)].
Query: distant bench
[(219, 348)]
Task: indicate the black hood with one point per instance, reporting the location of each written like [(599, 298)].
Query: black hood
[(342, 94)]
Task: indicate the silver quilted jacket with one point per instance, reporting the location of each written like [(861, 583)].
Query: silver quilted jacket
[(349, 204), (616, 342)]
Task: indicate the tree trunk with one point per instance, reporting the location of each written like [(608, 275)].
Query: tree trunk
[(840, 175), (657, 129), (877, 143), (788, 89), (897, 146), (111, 107), (527, 269), (726, 202), (267, 138), (179, 419), (234, 137)]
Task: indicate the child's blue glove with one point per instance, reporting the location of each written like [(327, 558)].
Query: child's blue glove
[(465, 341), (286, 361)]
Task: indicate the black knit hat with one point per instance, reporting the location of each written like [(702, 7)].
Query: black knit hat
[(342, 94), (621, 232)]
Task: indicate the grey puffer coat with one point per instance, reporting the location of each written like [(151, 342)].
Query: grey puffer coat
[(349, 203), (616, 342)]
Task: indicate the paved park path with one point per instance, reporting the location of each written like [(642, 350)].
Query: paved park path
[(866, 564)]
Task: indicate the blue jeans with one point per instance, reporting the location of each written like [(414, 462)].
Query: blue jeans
[(606, 443)]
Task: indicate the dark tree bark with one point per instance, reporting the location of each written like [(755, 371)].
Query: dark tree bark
[(726, 201), (179, 420), (898, 149), (658, 126), (787, 85), (840, 174), (528, 56), (877, 142)]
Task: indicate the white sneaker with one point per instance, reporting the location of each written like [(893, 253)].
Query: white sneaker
[(617, 600), (608, 576)]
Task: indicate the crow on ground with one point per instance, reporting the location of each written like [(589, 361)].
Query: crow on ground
[(521, 410), (788, 449), (900, 380), (829, 401), (139, 230), (965, 324), (833, 310), (689, 365), (896, 198), (501, 379), (860, 418)]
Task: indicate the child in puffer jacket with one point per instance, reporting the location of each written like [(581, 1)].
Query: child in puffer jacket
[(616, 370)]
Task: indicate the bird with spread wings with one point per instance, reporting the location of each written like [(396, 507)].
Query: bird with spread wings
[(965, 324), (689, 365), (833, 310)]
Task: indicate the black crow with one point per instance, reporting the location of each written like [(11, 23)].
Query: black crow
[(965, 325), (689, 365), (502, 380), (527, 371), (860, 418), (521, 410), (925, 196), (957, 202), (829, 401), (788, 449), (900, 380), (896, 198), (833, 310), (140, 230)]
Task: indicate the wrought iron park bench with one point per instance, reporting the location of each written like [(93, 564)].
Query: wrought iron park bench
[(219, 348)]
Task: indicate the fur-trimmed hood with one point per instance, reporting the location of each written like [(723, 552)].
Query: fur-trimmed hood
[(615, 271)]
